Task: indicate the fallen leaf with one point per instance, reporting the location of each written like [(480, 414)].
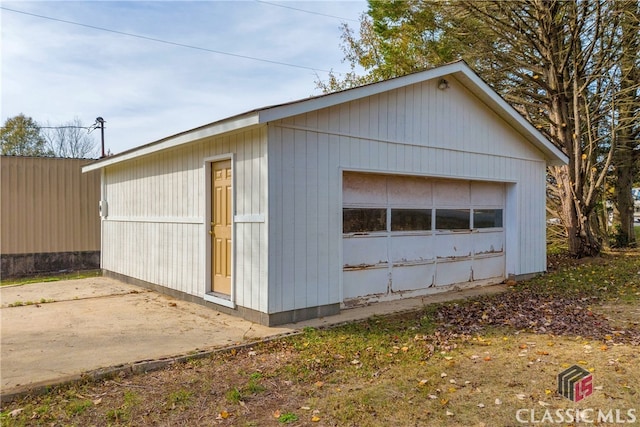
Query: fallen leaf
[(498, 401), (405, 349), (449, 414), (423, 382), (315, 419), (480, 405), (487, 359), (432, 396), (305, 408), (521, 396), (319, 384), (97, 401), (16, 412), (224, 415), (442, 375), (276, 414)]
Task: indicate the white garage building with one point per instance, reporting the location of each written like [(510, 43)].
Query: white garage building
[(414, 185)]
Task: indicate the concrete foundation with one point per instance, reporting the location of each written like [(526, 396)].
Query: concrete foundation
[(20, 265)]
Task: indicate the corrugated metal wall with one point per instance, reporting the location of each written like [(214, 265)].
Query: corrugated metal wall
[(48, 205), (418, 130)]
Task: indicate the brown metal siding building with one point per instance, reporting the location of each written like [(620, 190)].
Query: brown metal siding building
[(49, 218)]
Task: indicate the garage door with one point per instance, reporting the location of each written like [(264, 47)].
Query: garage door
[(406, 234)]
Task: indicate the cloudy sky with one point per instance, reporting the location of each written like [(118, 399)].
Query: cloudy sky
[(54, 71)]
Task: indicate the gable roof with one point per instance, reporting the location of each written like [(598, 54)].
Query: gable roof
[(459, 70)]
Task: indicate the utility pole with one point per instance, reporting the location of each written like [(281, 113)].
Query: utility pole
[(100, 121)]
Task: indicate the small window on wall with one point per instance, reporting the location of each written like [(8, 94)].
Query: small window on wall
[(453, 219), (363, 220), (487, 218), (410, 219)]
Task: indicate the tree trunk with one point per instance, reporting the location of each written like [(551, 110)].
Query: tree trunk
[(582, 239), (627, 99), (624, 233)]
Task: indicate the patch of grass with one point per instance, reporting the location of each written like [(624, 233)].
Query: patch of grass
[(180, 397), (123, 412), (51, 277), (78, 406), (25, 303), (605, 278), (250, 389), (234, 395), (288, 417)]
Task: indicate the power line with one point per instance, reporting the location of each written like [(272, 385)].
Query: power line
[(306, 11), (153, 39)]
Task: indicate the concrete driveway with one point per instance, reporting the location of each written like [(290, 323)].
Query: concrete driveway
[(72, 327), (60, 331)]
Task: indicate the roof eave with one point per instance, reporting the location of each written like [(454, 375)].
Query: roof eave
[(213, 129)]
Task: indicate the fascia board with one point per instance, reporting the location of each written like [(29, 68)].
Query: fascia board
[(207, 131)]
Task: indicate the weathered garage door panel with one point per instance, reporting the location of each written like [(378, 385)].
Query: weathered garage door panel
[(366, 281), (435, 232), (452, 271), (406, 250), (452, 246), (413, 276), (365, 251)]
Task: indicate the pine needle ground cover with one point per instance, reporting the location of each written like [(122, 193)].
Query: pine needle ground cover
[(487, 361)]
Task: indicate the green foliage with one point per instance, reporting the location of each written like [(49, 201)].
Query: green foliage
[(234, 395), (252, 388), (288, 417), (78, 406), (54, 278), (180, 397), (124, 411), (21, 136)]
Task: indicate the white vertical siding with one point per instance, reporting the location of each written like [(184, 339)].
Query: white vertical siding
[(156, 231), (417, 130)]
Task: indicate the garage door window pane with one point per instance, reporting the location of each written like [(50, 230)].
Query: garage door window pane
[(362, 220), (487, 218), (452, 219), (410, 219)]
